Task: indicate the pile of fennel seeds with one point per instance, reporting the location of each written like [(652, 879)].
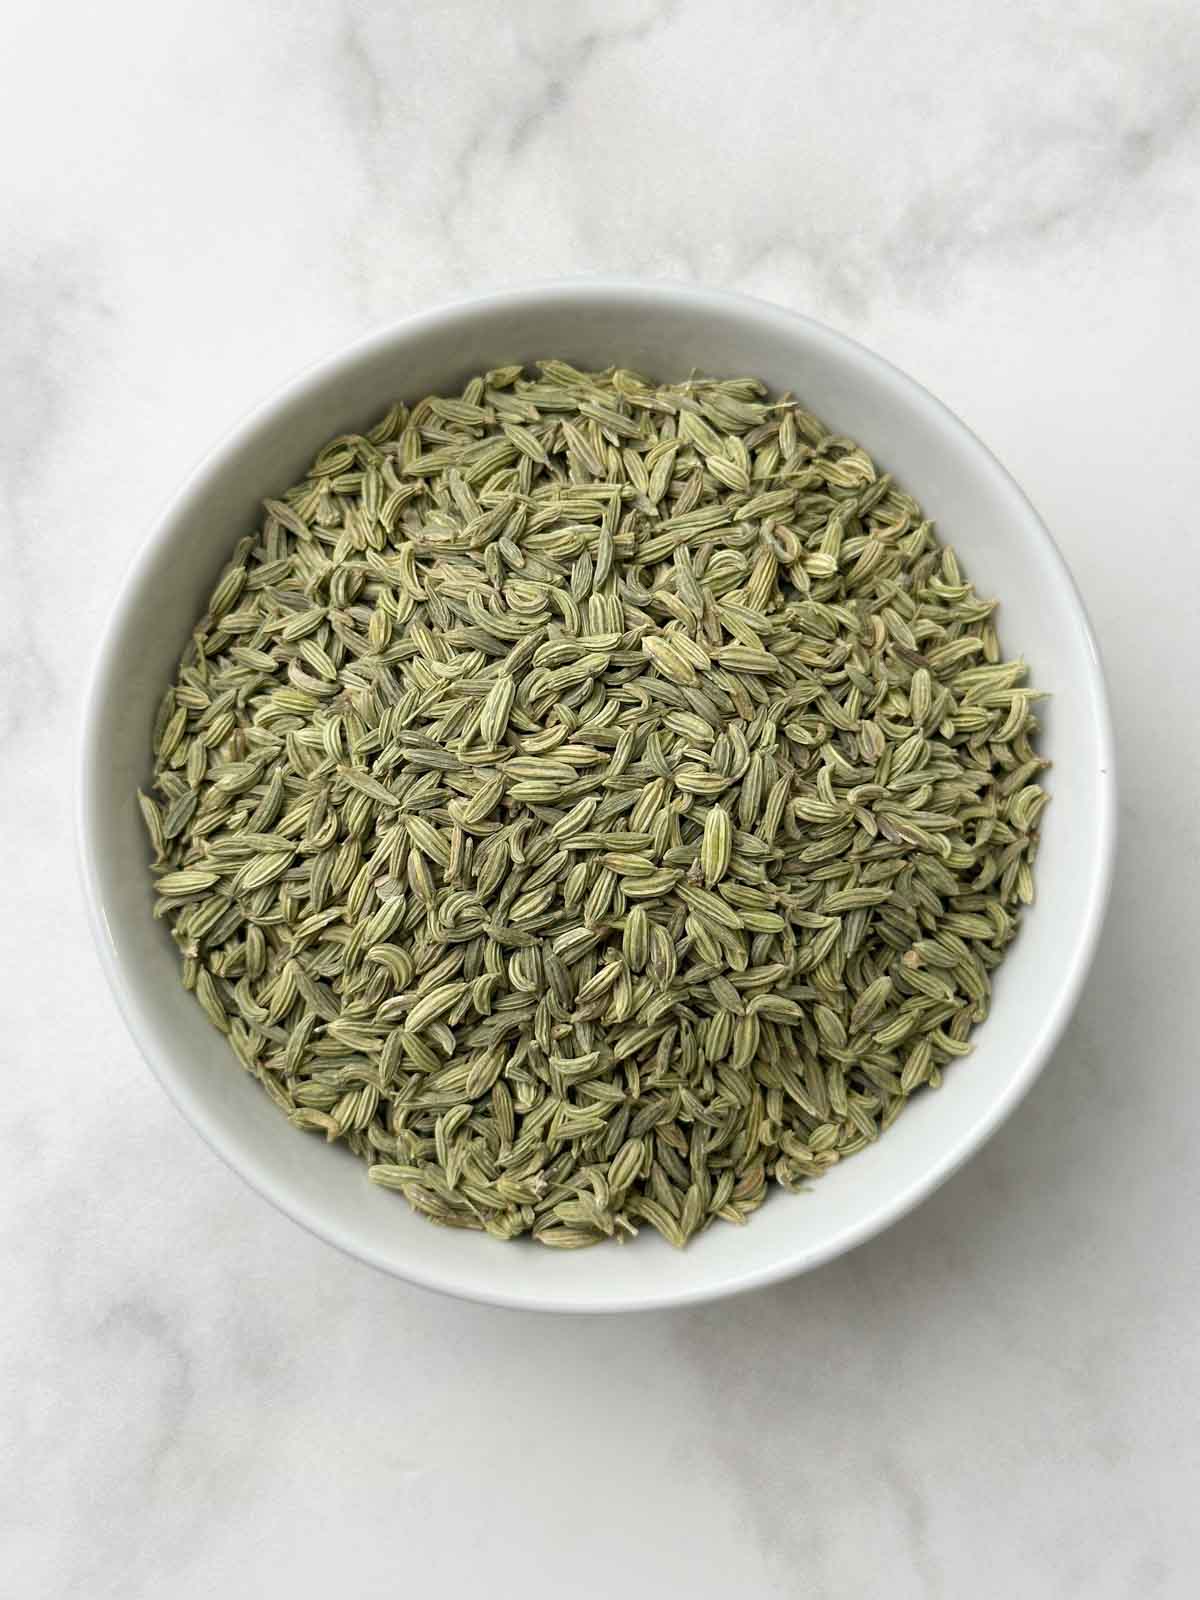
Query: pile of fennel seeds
[(589, 800)]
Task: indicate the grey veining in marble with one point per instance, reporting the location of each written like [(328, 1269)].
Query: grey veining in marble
[(998, 1397)]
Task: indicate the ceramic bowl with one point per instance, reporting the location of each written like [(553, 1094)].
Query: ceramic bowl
[(664, 331)]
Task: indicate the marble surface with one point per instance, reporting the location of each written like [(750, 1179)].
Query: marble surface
[(996, 1398)]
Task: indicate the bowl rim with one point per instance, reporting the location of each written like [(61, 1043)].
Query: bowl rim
[(312, 379)]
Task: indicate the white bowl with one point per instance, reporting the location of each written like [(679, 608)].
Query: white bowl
[(664, 331)]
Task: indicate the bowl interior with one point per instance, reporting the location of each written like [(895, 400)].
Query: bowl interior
[(664, 332)]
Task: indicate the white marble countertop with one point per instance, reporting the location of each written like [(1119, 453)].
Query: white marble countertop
[(998, 1397)]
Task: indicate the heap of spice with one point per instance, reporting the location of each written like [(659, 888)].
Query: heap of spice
[(589, 800)]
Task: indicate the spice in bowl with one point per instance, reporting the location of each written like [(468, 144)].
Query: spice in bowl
[(589, 800)]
